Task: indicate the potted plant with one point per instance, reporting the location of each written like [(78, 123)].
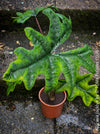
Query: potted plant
[(42, 60)]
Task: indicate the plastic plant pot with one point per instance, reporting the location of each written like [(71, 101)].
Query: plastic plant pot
[(51, 111)]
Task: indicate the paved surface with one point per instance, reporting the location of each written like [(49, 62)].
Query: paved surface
[(20, 112), (76, 118), (78, 4), (62, 4), (23, 4), (26, 118)]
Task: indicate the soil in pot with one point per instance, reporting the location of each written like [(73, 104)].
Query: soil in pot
[(59, 97)]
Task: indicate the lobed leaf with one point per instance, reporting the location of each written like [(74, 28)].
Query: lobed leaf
[(51, 65), (87, 92), (58, 32), (72, 59), (11, 86), (40, 60), (22, 17)]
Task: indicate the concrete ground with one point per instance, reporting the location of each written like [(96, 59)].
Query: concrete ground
[(25, 117), (20, 112), (62, 4), (21, 116)]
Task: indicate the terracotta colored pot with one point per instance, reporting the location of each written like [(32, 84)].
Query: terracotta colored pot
[(51, 111)]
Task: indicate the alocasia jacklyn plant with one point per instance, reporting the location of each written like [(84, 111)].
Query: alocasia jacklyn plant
[(42, 60)]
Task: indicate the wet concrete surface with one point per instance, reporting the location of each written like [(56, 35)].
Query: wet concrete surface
[(26, 118), (76, 118), (23, 4), (20, 112), (78, 4), (62, 4), (18, 117)]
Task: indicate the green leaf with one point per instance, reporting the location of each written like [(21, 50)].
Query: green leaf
[(40, 60), (53, 7), (81, 56), (38, 9), (72, 59), (11, 86), (22, 17), (51, 65), (58, 31), (87, 92)]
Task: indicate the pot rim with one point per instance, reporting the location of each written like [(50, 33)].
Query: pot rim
[(49, 104)]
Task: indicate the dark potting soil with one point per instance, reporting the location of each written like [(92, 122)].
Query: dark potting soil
[(59, 97)]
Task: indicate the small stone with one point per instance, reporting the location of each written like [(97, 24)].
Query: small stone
[(94, 33), (1, 45), (98, 124), (87, 2), (11, 52), (1, 49), (10, 5), (76, 37), (95, 131), (94, 109), (45, 131), (11, 107), (30, 105), (75, 111), (98, 43), (32, 118), (12, 124), (89, 128), (17, 42), (22, 2), (3, 31)]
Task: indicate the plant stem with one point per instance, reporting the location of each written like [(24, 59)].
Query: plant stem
[(51, 95), (39, 26)]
